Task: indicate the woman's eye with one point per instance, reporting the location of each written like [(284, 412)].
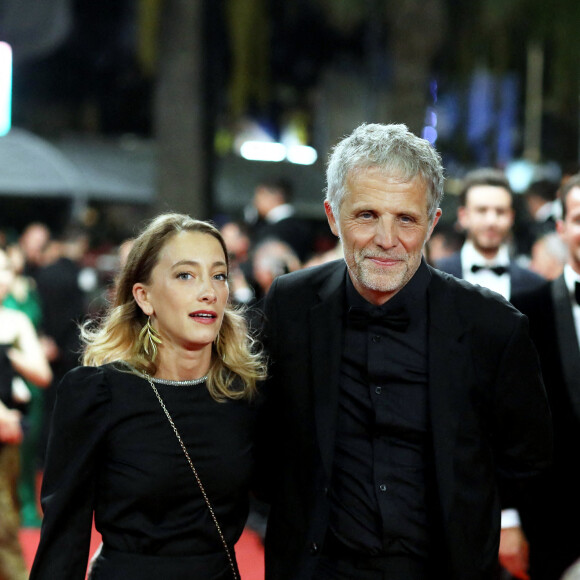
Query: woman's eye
[(221, 277), (184, 276)]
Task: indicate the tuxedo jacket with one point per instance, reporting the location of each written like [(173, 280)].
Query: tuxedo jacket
[(522, 280), (551, 520), (487, 410)]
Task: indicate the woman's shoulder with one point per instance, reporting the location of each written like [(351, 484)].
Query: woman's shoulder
[(104, 380), (101, 372), (85, 379), (84, 394)]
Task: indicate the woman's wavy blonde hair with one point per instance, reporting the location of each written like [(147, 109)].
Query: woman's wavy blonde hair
[(116, 338)]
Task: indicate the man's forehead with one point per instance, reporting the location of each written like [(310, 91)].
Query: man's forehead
[(488, 195), (394, 175), (573, 199)]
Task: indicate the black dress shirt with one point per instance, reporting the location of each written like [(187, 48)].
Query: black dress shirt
[(379, 492)]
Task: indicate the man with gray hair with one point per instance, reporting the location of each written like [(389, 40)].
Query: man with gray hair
[(392, 412)]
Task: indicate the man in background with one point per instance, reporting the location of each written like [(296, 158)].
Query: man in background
[(551, 519), (276, 218), (486, 214), (64, 306), (542, 201)]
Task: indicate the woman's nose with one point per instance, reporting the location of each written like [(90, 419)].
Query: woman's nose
[(207, 292)]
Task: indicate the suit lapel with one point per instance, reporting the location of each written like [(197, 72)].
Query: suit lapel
[(325, 347), (448, 359), (567, 340)]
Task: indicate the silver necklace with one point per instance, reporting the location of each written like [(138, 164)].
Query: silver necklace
[(188, 383)]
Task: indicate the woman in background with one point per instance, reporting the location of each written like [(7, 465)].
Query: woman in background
[(24, 297), (155, 434), (21, 359)]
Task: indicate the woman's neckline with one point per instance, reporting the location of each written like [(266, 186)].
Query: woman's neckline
[(186, 383), (160, 381)]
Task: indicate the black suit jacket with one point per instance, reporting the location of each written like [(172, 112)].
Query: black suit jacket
[(522, 280), (551, 520), (482, 368)]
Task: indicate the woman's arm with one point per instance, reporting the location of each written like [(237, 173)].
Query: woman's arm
[(74, 457), (26, 356), (10, 428)]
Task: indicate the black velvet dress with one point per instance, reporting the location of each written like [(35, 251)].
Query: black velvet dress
[(113, 452)]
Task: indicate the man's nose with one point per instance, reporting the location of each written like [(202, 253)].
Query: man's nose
[(386, 233), (491, 216)]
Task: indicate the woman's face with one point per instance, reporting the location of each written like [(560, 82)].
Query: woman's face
[(6, 275), (188, 291)]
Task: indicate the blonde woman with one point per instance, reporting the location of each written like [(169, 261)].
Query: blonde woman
[(154, 435)]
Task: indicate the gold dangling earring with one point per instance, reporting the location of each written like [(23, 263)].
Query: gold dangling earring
[(149, 338)]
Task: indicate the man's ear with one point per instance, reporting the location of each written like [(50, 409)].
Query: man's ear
[(331, 219), (141, 295), (435, 220), (462, 217)]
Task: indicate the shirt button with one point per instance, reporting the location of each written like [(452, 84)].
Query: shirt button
[(313, 548), (376, 338), (383, 487), (378, 390)]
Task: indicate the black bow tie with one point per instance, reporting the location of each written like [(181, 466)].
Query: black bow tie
[(499, 270), (395, 319)]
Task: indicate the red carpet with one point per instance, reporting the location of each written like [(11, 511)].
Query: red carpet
[(249, 551)]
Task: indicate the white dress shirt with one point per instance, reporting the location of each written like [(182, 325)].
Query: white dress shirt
[(571, 277), (486, 278)]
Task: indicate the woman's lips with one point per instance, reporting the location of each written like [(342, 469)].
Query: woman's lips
[(204, 316)]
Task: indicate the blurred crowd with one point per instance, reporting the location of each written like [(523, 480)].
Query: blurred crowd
[(58, 280)]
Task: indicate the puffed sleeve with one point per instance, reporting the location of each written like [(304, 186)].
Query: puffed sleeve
[(79, 425)]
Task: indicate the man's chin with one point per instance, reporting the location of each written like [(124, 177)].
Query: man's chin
[(489, 245), (381, 282)]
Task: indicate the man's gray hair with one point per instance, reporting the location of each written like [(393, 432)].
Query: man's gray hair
[(392, 149)]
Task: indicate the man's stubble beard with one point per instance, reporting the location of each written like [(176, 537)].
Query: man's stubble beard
[(374, 278)]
